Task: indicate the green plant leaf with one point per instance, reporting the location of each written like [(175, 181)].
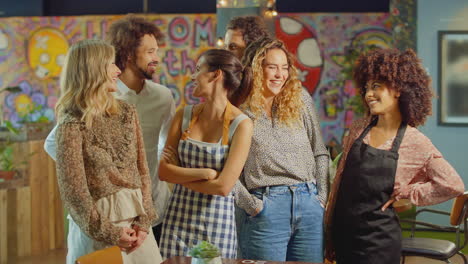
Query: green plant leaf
[(6, 156), (204, 250), (11, 128), (8, 162), (43, 119), (11, 89), (33, 109)]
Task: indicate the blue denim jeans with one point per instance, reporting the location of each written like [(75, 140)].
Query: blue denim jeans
[(289, 228)]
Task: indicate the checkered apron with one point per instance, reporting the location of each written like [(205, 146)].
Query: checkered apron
[(192, 216)]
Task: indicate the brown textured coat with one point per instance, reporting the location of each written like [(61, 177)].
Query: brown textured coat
[(97, 162)]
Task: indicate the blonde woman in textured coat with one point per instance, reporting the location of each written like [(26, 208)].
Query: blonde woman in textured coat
[(101, 165)]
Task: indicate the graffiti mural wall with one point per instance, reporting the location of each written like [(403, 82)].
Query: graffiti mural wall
[(32, 51), (324, 45)]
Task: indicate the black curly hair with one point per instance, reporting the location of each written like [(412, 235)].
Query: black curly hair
[(403, 72), (252, 28), (126, 34)]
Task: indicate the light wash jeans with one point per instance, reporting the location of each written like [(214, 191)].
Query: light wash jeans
[(289, 228)]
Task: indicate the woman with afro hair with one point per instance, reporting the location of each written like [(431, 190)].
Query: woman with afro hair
[(385, 159)]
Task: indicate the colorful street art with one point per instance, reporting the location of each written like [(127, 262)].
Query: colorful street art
[(324, 45), (403, 16), (32, 51), (46, 52)]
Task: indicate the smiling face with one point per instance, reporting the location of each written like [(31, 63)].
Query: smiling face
[(234, 42), (380, 98), (147, 58), (201, 79), (275, 72), (113, 73)]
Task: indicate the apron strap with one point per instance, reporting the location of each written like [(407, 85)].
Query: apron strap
[(396, 142), (367, 129), (226, 122), (399, 137), (194, 119)]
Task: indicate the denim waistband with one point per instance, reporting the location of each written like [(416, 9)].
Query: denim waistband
[(308, 186)]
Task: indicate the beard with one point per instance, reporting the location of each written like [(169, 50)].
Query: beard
[(146, 74)]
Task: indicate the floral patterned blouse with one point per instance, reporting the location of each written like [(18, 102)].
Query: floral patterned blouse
[(100, 161), (423, 176)]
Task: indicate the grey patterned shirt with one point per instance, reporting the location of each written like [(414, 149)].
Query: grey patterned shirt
[(283, 155)]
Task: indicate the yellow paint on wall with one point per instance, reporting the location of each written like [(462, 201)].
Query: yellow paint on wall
[(47, 48), (23, 104)]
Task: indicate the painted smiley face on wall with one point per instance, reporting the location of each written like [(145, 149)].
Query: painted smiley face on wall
[(46, 52)]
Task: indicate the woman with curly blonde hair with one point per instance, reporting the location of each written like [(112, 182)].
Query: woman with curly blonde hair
[(385, 159), (102, 173), (283, 188)]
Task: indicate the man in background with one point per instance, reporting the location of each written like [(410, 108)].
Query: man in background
[(243, 30)]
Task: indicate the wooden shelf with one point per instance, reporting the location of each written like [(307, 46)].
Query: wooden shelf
[(29, 132)]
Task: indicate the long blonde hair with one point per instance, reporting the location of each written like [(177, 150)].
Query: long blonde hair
[(289, 101), (82, 81)]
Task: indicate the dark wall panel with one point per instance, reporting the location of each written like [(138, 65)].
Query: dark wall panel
[(9, 8), (91, 7), (332, 6), (182, 6)]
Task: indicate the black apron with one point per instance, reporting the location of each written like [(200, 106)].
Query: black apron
[(361, 232)]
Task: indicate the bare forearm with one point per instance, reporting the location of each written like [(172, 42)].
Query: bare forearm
[(212, 187), (178, 175)]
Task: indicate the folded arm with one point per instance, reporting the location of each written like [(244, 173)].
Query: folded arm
[(173, 173), (227, 178)]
